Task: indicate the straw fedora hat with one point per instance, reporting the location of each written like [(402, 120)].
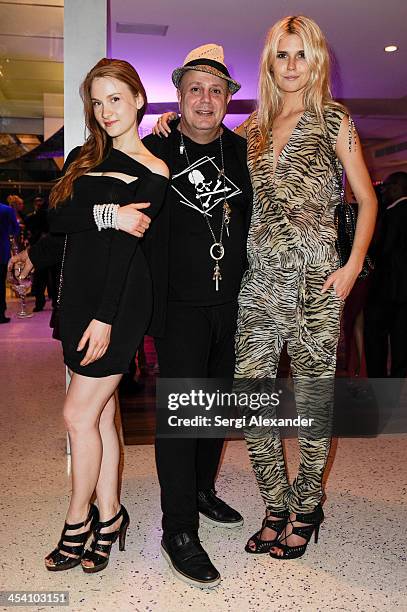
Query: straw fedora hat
[(207, 58)]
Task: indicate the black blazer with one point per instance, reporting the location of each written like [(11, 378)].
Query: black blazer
[(156, 241)]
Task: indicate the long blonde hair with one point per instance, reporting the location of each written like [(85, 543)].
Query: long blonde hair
[(317, 93), (98, 143)]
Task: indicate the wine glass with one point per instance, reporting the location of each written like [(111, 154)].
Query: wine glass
[(21, 286)]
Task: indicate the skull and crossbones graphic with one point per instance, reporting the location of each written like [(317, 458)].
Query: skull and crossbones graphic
[(208, 193), (204, 190)]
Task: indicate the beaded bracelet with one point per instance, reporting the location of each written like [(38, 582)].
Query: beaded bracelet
[(106, 216)]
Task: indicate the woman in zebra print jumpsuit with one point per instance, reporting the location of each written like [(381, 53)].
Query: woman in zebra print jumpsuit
[(294, 290)]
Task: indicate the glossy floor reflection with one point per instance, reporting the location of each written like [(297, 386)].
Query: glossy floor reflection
[(358, 564)]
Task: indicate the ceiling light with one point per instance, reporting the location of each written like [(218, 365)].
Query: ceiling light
[(391, 48)]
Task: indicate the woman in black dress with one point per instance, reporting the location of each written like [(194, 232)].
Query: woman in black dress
[(106, 300)]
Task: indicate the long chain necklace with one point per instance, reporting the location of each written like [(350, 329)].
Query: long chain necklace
[(217, 250)]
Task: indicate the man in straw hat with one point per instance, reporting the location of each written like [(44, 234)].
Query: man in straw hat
[(201, 233), (196, 248)]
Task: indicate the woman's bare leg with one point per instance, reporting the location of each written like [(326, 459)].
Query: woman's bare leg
[(107, 487), (85, 402)]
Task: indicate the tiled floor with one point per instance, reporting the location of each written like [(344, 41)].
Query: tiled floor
[(359, 563)]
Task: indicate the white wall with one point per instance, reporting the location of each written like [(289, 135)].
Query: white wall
[(85, 43)]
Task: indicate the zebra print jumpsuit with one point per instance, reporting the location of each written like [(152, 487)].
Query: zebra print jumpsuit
[(291, 252)]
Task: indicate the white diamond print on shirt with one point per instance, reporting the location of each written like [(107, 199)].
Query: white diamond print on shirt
[(208, 193)]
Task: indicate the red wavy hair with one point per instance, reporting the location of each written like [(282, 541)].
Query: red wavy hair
[(98, 143)]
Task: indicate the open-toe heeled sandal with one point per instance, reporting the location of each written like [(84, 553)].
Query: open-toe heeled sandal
[(276, 524), (312, 522), (72, 545), (102, 542)]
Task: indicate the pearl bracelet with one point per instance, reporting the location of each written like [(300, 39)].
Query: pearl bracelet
[(106, 216)]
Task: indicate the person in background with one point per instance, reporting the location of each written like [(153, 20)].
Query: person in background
[(386, 309), (8, 227), (36, 224), (352, 325), (17, 203)]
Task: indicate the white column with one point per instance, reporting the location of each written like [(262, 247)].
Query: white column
[(85, 43)]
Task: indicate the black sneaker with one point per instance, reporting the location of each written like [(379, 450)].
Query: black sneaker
[(188, 560), (215, 511), (4, 319)]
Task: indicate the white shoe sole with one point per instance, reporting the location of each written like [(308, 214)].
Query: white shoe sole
[(209, 521), (184, 578)]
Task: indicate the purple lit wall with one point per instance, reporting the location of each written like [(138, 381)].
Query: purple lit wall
[(356, 31), (372, 83)]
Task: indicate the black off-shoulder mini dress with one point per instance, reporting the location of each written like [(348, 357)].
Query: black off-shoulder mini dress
[(105, 273)]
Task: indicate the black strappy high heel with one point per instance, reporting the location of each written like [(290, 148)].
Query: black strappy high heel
[(100, 561), (64, 562), (314, 520), (264, 546)]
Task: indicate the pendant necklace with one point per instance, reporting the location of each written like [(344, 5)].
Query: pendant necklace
[(217, 250)]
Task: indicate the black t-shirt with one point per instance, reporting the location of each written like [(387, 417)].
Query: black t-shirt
[(196, 188), (177, 243)]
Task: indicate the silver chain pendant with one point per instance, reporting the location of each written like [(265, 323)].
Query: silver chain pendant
[(216, 276), (217, 252)]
